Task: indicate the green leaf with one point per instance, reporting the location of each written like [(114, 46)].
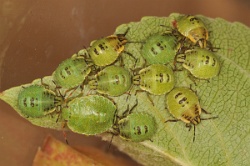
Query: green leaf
[(221, 141)]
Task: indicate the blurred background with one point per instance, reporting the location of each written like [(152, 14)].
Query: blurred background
[(36, 35)]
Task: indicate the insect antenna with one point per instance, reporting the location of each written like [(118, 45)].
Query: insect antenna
[(64, 133), (210, 118), (194, 134), (172, 120), (111, 141)]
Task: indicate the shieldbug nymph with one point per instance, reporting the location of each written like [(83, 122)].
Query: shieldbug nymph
[(160, 48), (136, 127), (71, 72), (112, 80), (194, 29), (157, 79), (89, 115), (184, 105), (105, 51), (201, 63), (36, 101)]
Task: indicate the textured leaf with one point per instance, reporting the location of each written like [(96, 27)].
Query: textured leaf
[(221, 141)]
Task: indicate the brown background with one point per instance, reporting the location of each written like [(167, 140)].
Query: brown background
[(36, 35)]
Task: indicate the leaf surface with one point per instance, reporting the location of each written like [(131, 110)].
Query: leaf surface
[(221, 141)]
